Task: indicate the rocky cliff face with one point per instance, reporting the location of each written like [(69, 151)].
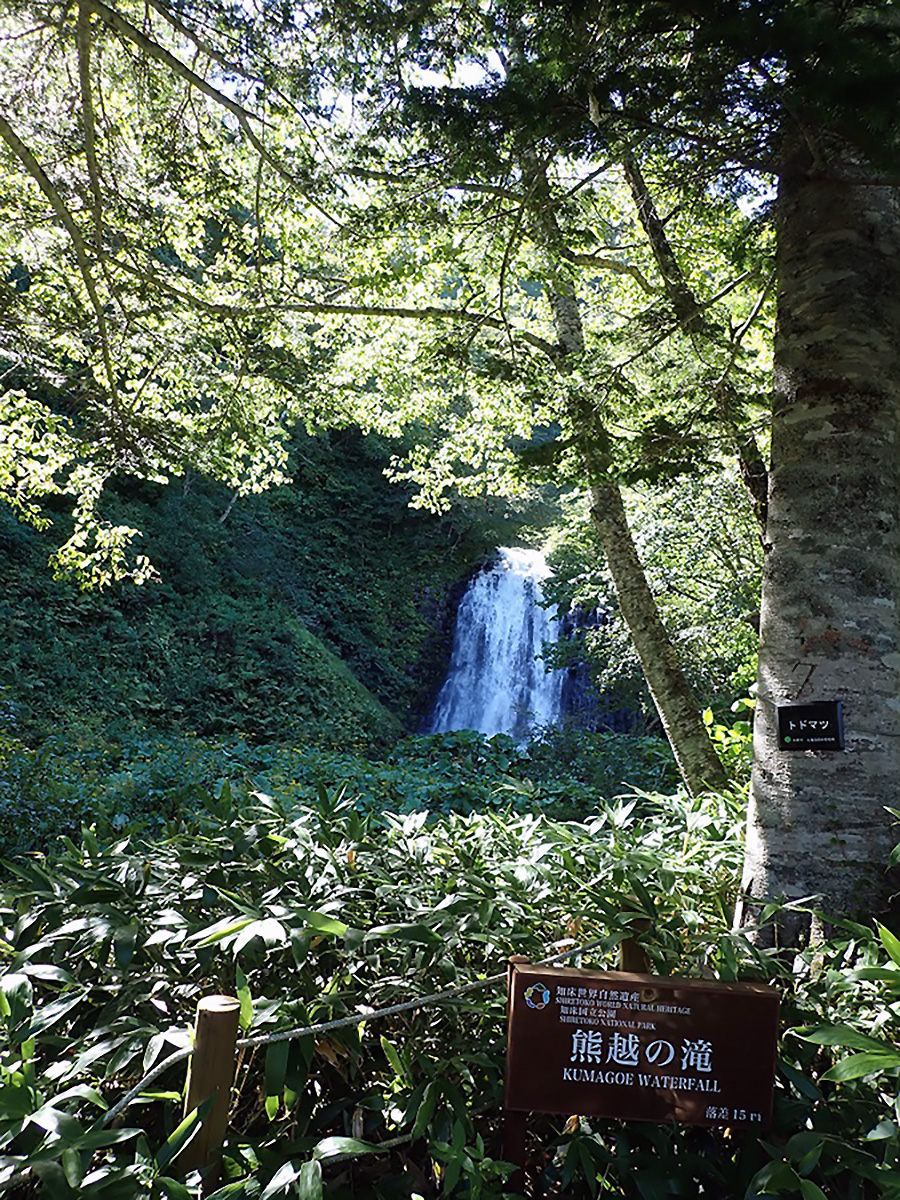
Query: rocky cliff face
[(438, 606)]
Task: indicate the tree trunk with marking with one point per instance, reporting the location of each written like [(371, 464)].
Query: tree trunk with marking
[(830, 629)]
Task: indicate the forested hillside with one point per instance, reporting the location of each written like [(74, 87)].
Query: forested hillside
[(320, 610)]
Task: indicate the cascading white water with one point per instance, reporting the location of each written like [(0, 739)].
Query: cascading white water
[(497, 682)]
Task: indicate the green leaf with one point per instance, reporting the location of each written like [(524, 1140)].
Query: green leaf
[(61, 1124), (890, 943), (54, 1183), (243, 994), (331, 1146), (241, 1189), (426, 1109), (72, 1166), (123, 1183), (17, 994), (419, 934), (882, 974), (285, 1177), (271, 931), (321, 922), (842, 1035), (276, 1066), (804, 1150), (883, 1131), (775, 1176), (183, 1134), (811, 1191), (354, 938), (48, 1014), (99, 1139), (309, 1182), (804, 1086), (221, 929), (454, 1171), (859, 1065), (393, 1058), (802, 1144), (48, 973), (173, 1188)]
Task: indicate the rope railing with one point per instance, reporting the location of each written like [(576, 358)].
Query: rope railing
[(284, 1035), (287, 1035)]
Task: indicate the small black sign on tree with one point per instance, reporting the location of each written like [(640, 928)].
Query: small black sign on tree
[(818, 726)]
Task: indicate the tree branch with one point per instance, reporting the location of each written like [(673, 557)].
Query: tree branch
[(243, 116), (154, 50), (463, 186), (87, 119), (611, 264), (37, 173), (230, 66), (690, 316), (204, 47), (427, 312)]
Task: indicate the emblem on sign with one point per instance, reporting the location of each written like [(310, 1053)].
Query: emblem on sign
[(537, 996)]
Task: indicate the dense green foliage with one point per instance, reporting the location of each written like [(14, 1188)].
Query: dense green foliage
[(702, 556), (287, 262), (224, 226), (315, 611), (143, 781), (330, 908)]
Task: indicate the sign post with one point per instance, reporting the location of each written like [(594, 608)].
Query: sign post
[(514, 1121), (637, 1047)]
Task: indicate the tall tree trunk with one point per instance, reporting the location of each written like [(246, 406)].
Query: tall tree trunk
[(830, 628), (698, 763), (697, 760)]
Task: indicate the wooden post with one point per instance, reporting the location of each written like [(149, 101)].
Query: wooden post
[(514, 1123), (632, 957), (211, 1072)]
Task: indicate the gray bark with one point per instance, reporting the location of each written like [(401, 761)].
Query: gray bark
[(698, 763), (697, 760), (830, 629)]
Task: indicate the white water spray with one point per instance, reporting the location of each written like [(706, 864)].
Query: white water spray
[(497, 682)]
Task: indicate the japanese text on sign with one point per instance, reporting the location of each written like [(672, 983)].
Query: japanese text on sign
[(817, 726), (640, 1047)]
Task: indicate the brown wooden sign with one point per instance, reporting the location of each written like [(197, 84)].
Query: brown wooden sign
[(640, 1047)]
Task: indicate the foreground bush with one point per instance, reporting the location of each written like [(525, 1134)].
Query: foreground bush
[(312, 912)]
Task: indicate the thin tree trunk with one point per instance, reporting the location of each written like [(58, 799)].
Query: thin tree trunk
[(830, 629), (698, 763)]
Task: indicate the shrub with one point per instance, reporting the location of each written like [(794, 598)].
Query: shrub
[(308, 913)]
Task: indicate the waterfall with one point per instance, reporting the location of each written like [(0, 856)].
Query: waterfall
[(497, 682)]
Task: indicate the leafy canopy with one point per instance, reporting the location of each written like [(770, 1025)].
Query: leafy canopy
[(218, 222)]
